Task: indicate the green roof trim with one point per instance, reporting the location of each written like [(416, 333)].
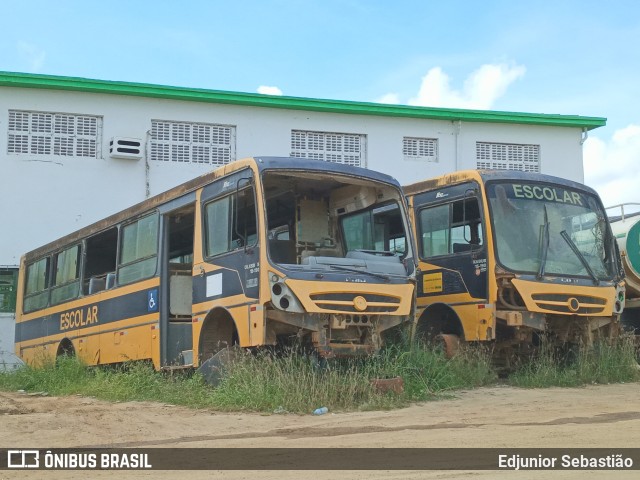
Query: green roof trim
[(52, 82)]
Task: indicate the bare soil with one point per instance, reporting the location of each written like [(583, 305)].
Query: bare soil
[(596, 416)]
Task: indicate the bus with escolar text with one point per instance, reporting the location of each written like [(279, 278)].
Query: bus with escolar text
[(513, 258), (261, 251)]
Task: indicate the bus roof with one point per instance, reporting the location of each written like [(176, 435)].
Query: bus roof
[(261, 163), (488, 175), (306, 164)]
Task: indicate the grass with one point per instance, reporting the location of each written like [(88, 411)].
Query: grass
[(295, 383), (601, 364), (135, 381)]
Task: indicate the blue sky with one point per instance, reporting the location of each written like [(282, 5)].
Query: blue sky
[(568, 57)]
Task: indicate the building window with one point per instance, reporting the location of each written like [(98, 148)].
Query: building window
[(425, 149), (192, 142), (8, 289), (59, 134), (344, 148), (508, 156)]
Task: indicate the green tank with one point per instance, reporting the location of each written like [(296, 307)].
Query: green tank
[(626, 228)]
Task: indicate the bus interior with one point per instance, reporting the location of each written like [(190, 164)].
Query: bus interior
[(321, 222)]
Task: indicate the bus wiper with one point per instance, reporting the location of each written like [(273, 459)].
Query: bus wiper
[(545, 244), (611, 254), (578, 253), (355, 270)]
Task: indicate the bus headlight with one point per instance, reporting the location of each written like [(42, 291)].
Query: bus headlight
[(618, 305), (282, 297)]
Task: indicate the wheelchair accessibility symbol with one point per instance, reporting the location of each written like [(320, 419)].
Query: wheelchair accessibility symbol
[(152, 300)]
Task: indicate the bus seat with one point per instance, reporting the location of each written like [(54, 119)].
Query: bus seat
[(96, 284), (111, 281)]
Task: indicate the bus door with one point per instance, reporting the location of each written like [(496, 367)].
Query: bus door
[(176, 285), (451, 243), (230, 270)]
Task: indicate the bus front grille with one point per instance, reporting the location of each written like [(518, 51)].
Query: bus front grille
[(353, 302), (570, 304)]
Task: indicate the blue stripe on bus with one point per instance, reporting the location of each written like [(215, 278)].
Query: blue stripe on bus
[(74, 320)]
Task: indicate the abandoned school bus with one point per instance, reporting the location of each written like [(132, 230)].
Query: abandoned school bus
[(513, 257), (262, 251)]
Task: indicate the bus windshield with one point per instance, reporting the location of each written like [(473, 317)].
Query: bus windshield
[(550, 230), (378, 230)]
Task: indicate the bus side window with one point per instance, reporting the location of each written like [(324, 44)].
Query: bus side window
[(450, 228), (37, 288), (100, 260), (66, 278), (139, 250), (434, 230), (466, 228), (231, 222)]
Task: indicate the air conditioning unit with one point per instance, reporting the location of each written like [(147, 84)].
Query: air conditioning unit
[(126, 148)]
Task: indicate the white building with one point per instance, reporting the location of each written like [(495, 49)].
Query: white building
[(75, 150)]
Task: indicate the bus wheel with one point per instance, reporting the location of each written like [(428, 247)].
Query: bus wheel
[(439, 327), (217, 339), (449, 343), (65, 350), (218, 333)]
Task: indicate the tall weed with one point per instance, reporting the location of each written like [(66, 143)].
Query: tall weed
[(598, 364)]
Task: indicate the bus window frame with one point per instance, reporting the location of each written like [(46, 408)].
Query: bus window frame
[(46, 290), (78, 279), (489, 184), (474, 249), (233, 218), (370, 209), (120, 249)]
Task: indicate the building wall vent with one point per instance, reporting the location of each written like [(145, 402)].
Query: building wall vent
[(127, 148)]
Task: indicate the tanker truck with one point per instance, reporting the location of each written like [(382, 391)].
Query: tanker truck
[(625, 226)]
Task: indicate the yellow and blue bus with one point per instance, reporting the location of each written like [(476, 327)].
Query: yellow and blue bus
[(513, 257), (262, 251)]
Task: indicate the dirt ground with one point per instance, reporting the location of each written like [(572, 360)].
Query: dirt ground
[(597, 416)]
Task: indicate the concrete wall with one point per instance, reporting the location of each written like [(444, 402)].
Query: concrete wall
[(47, 197)]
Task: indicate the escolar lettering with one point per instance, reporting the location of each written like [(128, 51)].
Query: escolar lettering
[(550, 194), (79, 318)]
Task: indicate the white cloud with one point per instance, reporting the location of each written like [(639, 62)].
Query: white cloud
[(265, 90), (33, 55), (612, 167), (479, 91)]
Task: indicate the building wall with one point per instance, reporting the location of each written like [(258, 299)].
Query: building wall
[(7, 333), (47, 197)]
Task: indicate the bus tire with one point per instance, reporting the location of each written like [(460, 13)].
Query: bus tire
[(449, 343)]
